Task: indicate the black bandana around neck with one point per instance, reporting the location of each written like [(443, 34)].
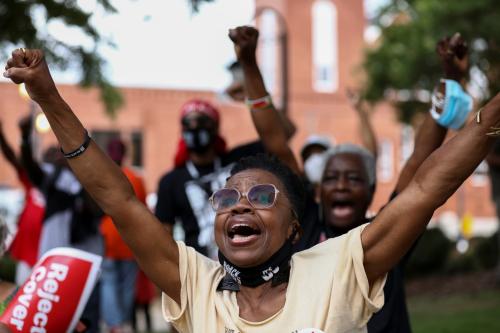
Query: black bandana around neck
[(276, 269)]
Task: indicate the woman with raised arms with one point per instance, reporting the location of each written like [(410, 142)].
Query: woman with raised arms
[(258, 286)]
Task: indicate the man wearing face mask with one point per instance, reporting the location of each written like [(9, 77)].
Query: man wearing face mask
[(202, 164), (310, 153)]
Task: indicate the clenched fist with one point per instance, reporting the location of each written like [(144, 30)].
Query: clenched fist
[(29, 67), (454, 58), (245, 43)]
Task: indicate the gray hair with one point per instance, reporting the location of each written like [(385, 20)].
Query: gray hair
[(349, 148)]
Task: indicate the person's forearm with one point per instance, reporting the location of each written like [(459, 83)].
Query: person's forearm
[(111, 190), (367, 132), (33, 170), (8, 152), (268, 122), (98, 174), (429, 137), (385, 241), (253, 81), (448, 167), (493, 160), (288, 125)]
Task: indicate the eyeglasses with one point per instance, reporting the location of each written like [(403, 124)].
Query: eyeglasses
[(259, 196)]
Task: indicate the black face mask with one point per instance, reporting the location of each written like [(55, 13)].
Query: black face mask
[(198, 140), (276, 269)]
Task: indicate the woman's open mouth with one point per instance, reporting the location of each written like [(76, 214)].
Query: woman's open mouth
[(342, 209), (243, 234)]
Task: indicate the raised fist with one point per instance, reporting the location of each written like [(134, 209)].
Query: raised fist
[(29, 67), (26, 125), (453, 52), (245, 43), (354, 97)]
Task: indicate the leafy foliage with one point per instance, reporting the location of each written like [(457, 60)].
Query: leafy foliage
[(18, 27), (195, 4), (405, 57)]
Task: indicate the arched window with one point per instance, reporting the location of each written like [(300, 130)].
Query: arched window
[(268, 60), (324, 48)]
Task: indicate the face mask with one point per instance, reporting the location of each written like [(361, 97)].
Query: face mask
[(276, 269), (456, 109), (198, 140), (313, 168)]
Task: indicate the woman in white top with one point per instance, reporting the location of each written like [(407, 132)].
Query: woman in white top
[(333, 287)]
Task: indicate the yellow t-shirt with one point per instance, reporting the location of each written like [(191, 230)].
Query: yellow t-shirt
[(328, 291)]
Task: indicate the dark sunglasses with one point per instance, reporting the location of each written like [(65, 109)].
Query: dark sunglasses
[(259, 196)]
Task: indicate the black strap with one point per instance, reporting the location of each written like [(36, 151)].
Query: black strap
[(80, 150)]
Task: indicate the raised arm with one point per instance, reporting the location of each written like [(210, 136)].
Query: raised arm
[(237, 92), (153, 247), (493, 159), (33, 169), (267, 120), (7, 150), (431, 135), (385, 241), (365, 128)]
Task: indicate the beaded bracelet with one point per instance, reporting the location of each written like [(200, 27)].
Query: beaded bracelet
[(80, 150)]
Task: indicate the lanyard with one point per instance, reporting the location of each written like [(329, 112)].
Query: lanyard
[(195, 174)]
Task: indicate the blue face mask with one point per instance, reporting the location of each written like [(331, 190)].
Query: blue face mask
[(457, 106)]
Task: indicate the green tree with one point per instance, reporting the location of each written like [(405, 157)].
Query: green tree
[(18, 28), (195, 4), (405, 57)]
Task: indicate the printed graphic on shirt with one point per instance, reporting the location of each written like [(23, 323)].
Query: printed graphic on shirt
[(305, 330), (198, 192)]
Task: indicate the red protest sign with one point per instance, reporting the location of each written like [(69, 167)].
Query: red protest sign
[(54, 296)]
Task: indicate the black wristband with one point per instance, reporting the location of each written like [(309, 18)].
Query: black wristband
[(80, 150)]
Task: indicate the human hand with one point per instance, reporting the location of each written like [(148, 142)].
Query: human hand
[(354, 97), (26, 126), (245, 43), (453, 52), (28, 66)]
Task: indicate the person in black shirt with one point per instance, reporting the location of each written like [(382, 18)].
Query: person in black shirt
[(349, 179), (493, 160), (202, 166), (383, 242)]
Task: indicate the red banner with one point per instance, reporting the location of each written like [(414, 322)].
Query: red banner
[(54, 296)]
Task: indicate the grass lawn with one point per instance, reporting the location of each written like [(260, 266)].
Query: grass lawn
[(457, 313)]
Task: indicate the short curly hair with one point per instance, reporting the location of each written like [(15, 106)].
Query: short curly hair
[(294, 186)]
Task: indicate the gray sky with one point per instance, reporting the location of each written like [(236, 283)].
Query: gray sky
[(163, 44)]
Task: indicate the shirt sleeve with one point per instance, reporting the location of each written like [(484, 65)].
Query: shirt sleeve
[(199, 276), (165, 206), (354, 289)]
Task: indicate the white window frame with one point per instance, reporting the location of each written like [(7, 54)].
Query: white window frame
[(325, 46)]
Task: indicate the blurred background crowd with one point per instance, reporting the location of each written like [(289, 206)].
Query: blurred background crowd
[(339, 71)]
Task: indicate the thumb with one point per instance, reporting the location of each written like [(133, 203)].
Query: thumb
[(16, 74)]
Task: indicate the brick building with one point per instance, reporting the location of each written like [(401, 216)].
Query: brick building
[(325, 39)]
